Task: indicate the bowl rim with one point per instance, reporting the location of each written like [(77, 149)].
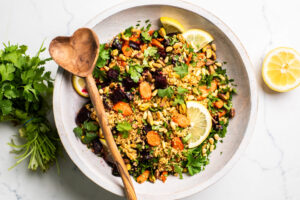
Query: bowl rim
[(105, 182)]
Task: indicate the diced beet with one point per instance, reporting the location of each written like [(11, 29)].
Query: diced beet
[(117, 44), (160, 80), (113, 74), (128, 83), (119, 95), (162, 53), (82, 115), (147, 128), (97, 146), (134, 45)]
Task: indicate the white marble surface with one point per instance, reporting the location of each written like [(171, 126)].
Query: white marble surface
[(270, 167)]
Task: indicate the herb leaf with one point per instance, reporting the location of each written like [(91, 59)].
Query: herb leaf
[(135, 72), (124, 128), (168, 92), (182, 70)]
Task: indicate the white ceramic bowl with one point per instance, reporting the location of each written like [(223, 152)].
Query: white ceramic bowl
[(112, 21)]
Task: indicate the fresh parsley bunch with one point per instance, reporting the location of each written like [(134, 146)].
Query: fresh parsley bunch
[(24, 89)]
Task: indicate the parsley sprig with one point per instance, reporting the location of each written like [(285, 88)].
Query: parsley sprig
[(24, 88)]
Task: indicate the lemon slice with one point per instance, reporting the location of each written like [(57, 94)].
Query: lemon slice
[(281, 69), (200, 123), (197, 38), (171, 25), (80, 86)]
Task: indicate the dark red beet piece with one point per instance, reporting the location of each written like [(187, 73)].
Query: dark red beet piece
[(119, 95), (82, 115), (113, 74), (128, 83), (160, 80)]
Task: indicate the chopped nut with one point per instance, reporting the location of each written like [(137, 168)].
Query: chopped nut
[(177, 45), (208, 53), (162, 32), (122, 57), (115, 52), (214, 47), (169, 49)]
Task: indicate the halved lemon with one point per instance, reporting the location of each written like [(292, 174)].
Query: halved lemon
[(201, 123), (171, 25), (197, 38), (281, 69), (80, 86)]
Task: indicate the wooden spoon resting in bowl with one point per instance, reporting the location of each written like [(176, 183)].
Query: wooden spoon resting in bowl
[(78, 54)]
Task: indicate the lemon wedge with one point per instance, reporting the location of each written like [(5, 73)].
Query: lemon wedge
[(197, 38), (171, 25), (281, 69), (201, 123), (80, 86)]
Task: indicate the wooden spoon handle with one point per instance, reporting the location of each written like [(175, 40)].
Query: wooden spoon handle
[(98, 104)]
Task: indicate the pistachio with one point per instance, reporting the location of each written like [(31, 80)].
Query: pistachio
[(223, 96), (145, 115), (211, 69), (214, 56), (157, 65), (182, 108), (125, 37), (162, 32), (214, 47), (169, 49), (166, 59), (173, 125), (177, 45), (208, 53), (209, 62), (195, 91), (122, 57), (149, 118), (154, 93), (115, 52), (161, 62), (218, 64), (216, 136), (152, 178), (144, 106)]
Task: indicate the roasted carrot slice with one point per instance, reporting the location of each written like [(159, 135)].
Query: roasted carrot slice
[(143, 47), (135, 36), (123, 108), (127, 51), (143, 177), (156, 43), (153, 138), (221, 114), (213, 86), (177, 143), (181, 120), (145, 90), (219, 104), (189, 58), (151, 32), (163, 176)]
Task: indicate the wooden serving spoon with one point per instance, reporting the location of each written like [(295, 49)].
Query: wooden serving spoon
[(78, 54)]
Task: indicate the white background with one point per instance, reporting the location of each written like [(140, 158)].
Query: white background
[(270, 167)]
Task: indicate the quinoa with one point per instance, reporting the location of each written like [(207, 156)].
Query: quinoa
[(145, 78)]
